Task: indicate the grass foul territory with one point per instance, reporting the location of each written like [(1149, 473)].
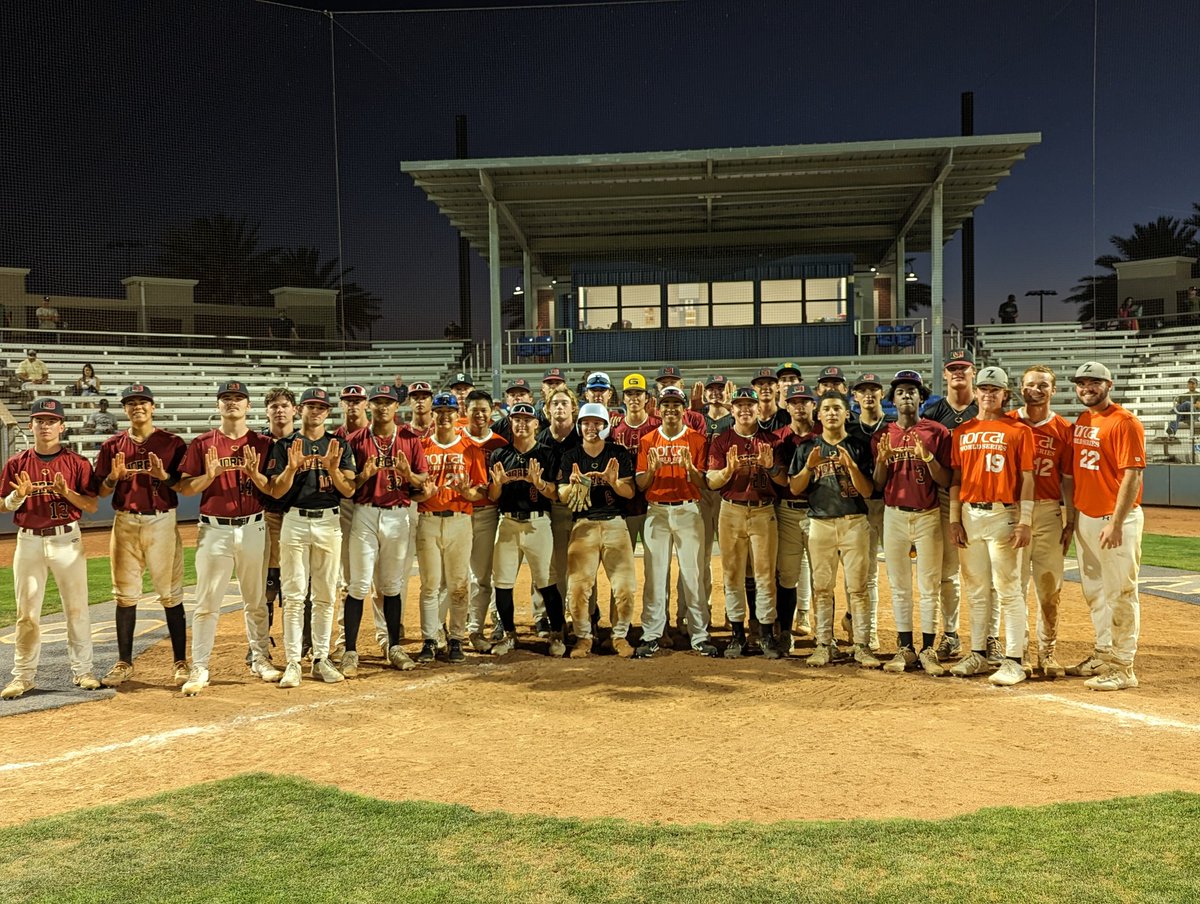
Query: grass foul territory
[(264, 838)]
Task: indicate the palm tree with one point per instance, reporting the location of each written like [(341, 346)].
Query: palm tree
[(223, 254), (302, 267)]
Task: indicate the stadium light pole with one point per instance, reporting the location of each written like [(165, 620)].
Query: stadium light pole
[(1041, 296)]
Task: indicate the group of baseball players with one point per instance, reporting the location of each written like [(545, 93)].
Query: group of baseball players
[(791, 481)]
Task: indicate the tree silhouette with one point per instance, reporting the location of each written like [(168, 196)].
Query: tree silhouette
[(302, 267)]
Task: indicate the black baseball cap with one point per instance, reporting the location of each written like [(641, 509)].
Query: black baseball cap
[(800, 391), (868, 379), (47, 407), (552, 374), (136, 391), (384, 391), (518, 383), (716, 380), (669, 371), (960, 357), (908, 376), (764, 373), (832, 375), (234, 387), (462, 379), (522, 409), (315, 394)]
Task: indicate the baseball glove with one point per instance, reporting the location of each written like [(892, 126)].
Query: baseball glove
[(580, 497)]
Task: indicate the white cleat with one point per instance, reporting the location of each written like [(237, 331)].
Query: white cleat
[(266, 671), (197, 681)]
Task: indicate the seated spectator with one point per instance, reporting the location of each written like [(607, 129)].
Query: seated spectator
[(88, 383), (101, 420), (1185, 408), (32, 372)]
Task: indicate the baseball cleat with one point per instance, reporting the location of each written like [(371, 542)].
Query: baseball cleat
[(506, 645), (769, 645), (87, 681), (1094, 664), (263, 668), (865, 658), (350, 664), (384, 647), (181, 673), (428, 652), (622, 647), (338, 654), (291, 675), (497, 634), (1050, 667), (1115, 678), (542, 627), (928, 658), (118, 675), (18, 687), (582, 648), (454, 651), (647, 650), (824, 654), (197, 681), (995, 655), (399, 659), (480, 644), (705, 648), (324, 669), (443, 642), (804, 623), (736, 647), (905, 659), (1009, 673), (948, 647), (558, 649), (974, 664)]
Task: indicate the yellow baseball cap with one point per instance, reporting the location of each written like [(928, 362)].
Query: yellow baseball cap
[(634, 381)]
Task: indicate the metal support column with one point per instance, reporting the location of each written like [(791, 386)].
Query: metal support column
[(497, 352), (936, 282), (899, 285), (529, 320)]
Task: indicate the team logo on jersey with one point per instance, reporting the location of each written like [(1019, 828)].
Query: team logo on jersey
[(982, 439), (1045, 443), (1085, 435)]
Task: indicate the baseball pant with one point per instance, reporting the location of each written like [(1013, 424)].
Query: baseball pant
[(378, 550), (484, 521), (791, 561), (1110, 583), (748, 530), (832, 540), (532, 539), (309, 549), (444, 557), (991, 576), (1042, 560), (710, 515), (346, 521), (901, 532), (949, 592), (679, 528), (62, 556), (594, 542), (146, 543), (633, 526), (220, 550), (561, 522)]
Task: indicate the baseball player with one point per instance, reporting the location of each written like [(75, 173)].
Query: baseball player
[(313, 472), (218, 466), (391, 466), (668, 473), (594, 480), (49, 489), (912, 461), (281, 422), (770, 416), (793, 578), (554, 378), (670, 376), (833, 468), (788, 374), (422, 424), (1110, 456), (140, 468), (992, 456), (952, 411), (457, 478), (741, 462), (1042, 559), (718, 417), (559, 438), (521, 486), (485, 518), (517, 390), (832, 379)]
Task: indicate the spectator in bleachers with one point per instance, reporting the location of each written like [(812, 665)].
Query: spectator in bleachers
[(88, 383), (283, 327), (1188, 307), (1009, 310), (101, 421), (1127, 315), (1185, 408), (47, 315), (32, 372)]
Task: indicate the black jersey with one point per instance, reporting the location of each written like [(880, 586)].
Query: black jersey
[(520, 495), (312, 487), (605, 501), (560, 447), (714, 426), (947, 415), (831, 492), (777, 421), (864, 432)]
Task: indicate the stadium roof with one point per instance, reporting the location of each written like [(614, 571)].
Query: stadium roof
[(855, 197)]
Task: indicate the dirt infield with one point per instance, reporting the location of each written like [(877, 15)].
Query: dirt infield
[(678, 738)]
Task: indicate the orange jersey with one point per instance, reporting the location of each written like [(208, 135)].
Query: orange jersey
[(671, 482), (1051, 453), (446, 462), (1106, 444), (991, 456)]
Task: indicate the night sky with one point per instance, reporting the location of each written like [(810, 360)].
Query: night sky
[(122, 118)]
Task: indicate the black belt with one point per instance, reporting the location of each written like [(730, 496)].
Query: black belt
[(988, 506), (443, 514), (684, 502), (908, 508), (146, 514), (599, 517), (231, 522), (374, 505), (749, 504), (793, 503), (55, 531), (312, 513), (523, 516)]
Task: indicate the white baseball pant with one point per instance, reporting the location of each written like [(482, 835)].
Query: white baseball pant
[(748, 530), (991, 576), (594, 542), (309, 548), (949, 592), (1042, 561), (444, 557), (1110, 583), (679, 528), (484, 521), (902, 531), (61, 555), (532, 539), (146, 543), (220, 550), (791, 561)]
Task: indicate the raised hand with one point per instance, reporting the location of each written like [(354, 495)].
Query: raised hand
[(333, 456), (697, 400), (23, 485), (814, 458), (403, 468), (212, 463), (249, 460), (499, 475), (612, 472), (843, 458), (883, 454), (653, 462), (535, 472), (685, 459), (370, 468), (157, 470), (459, 483), (119, 470), (60, 484), (576, 474), (295, 455), (766, 456), (919, 449), (732, 463)]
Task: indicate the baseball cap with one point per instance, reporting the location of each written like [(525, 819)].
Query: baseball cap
[(517, 383), (420, 386), (136, 391), (960, 357), (237, 387), (47, 407), (1092, 370), (671, 394), (599, 380), (746, 394), (634, 381), (669, 371), (908, 376), (445, 400), (461, 379), (522, 409), (832, 375), (995, 376), (31, 352), (315, 394), (552, 374), (353, 391), (800, 391), (765, 373), (716, 380), (383, 391), (594, 409), (868, 379), (789, 367)]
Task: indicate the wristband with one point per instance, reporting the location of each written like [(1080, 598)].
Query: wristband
[(110, 483), (171, 480), (1026, 512), (14, 501), (927, 459), (955, 512)]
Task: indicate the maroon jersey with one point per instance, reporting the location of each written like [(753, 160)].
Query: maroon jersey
[(785, 453), (695, 420), (750, 483), (486, 444), (909, 481), (631, 439), (233, 494), (386, 488), (43, 507), (137, 491)]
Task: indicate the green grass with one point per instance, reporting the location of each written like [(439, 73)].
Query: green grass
[(99, 586), (1165, 551), (266, 838)]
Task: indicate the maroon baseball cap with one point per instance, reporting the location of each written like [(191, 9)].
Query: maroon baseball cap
[(47, 407), (800, 391), (908, 376), (832, 375), (765, 373), (669, 371), (353, 391), (553, 374), (960, 357), (420, 386), (868, 379), (384, 391)]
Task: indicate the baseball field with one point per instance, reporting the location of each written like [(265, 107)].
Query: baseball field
[(678, 778)]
